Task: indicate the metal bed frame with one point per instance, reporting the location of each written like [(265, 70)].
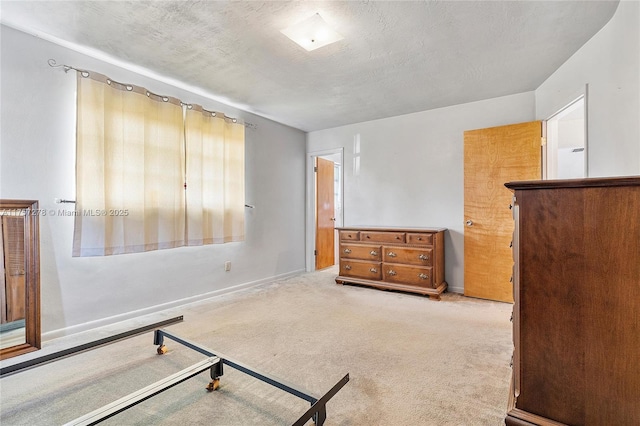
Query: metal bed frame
[(44, 359), (214, 363)]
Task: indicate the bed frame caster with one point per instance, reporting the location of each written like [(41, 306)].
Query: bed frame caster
[(216, 372), (213, 385), (158, 339)]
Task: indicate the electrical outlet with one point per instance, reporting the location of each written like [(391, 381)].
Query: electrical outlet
[(227, 266)]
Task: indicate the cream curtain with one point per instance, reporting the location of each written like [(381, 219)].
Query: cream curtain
[(215, 177), (130, 169)]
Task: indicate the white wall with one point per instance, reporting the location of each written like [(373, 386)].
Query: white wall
[(610, 64), (411, 168), (37, 161)]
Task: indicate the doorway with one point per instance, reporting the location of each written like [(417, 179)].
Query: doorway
[(566, 149), (324, 207)]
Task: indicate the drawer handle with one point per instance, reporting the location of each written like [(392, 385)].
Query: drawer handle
[(347, 267), (368, 236), (423, 257), (349, 235), (391, 254), (397, 237), (373, 253), (419, 238), (374, 270), (423, 276), (391, 272), (347, 251)]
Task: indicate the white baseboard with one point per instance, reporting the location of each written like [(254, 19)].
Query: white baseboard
[(455, 289), (78, 328)]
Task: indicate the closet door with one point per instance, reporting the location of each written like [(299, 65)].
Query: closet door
[(493, 157)]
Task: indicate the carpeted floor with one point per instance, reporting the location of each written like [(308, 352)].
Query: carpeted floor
[(412, 361)]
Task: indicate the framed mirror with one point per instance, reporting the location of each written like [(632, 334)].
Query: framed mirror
[(20, 282)]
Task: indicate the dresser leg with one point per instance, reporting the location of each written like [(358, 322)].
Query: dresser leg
[(435, 297)]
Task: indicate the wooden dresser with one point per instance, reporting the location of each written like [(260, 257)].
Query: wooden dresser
[(576, 319), (406, 259)]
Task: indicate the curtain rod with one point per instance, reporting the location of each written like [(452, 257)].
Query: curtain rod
[(53, 64), (62, 201)]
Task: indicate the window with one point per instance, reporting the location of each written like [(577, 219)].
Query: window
[(153, 173)]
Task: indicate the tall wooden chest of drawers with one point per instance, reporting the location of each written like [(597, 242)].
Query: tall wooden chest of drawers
[(576, 318), (406, 259)]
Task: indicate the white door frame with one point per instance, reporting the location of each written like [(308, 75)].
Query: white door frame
[(311, 202)]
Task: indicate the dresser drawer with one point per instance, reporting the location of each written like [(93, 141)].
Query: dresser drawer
[(360, 251), (350, 235), (410, 256), (421, 239), (361, 269), (383, 237), (421, 277)]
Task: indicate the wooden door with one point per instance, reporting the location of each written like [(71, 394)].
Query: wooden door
[(325, 214), (493, 157)]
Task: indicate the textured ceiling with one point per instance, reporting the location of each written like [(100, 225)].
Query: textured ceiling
[(395, 58)]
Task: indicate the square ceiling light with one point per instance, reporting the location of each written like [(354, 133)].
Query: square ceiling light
[(312, 33)]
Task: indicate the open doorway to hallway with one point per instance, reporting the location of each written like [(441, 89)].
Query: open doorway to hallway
[(325, 207)]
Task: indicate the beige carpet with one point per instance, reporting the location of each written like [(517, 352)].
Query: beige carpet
[(412, 361)]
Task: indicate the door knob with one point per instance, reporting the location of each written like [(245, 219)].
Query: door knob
[(469, 223), (333, 219)]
